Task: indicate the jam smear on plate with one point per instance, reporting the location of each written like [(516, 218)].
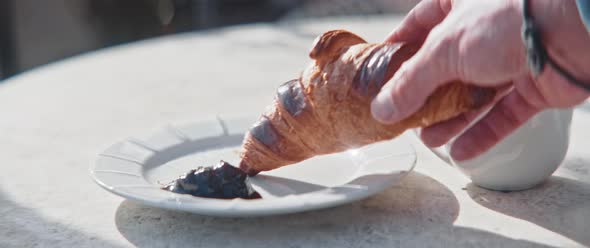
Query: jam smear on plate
[(223, 181)]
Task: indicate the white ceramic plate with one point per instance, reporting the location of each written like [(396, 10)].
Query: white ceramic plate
[(137, 167)]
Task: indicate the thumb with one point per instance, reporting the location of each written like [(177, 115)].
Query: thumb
[(413, 83)]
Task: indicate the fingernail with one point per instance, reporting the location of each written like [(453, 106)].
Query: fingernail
[(458, 154), (382, 106), (432, 140), (461, 149)]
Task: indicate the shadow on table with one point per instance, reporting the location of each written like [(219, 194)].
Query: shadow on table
[(23, 227), (420, 211), (561, 205)]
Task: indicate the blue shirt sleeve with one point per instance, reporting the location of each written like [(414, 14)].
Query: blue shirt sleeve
[(584, 8)]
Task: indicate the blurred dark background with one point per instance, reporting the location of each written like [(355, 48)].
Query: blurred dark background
[(37, 32)]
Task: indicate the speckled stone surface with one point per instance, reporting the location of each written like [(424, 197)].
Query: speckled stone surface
[(54, 120)]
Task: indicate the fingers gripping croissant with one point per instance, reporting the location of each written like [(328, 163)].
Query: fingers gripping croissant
[(327, 109)]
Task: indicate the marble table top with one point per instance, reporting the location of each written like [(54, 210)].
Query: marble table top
[(55, 119)]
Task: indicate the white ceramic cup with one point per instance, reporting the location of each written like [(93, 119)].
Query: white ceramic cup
[(523, 159)]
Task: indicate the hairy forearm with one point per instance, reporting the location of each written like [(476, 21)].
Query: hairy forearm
[(564, 35)]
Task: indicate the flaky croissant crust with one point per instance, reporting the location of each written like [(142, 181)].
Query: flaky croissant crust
[(327, 109)]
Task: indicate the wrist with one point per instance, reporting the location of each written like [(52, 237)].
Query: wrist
[(564, 35)]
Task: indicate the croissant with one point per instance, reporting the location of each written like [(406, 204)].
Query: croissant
[(327, 109)]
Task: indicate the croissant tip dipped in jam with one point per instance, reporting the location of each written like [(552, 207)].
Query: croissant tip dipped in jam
[(249, 170), (327, 109)]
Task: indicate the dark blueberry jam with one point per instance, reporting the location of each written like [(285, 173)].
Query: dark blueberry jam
[(291, 95), (223, 181)]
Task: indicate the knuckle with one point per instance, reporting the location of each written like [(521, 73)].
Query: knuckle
[(467, 49), (442, 54)]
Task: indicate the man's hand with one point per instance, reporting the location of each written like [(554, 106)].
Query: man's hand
[(478, 42)]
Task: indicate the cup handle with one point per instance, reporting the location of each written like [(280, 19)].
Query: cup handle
[(440, 152)]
